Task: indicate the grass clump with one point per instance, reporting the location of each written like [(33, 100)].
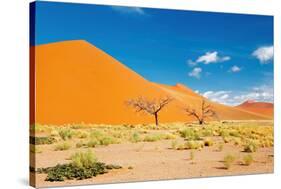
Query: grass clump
[(135, 137), (228, 160), (189, 134), (92, 143), (250, 146), (193, 144), (62, 146), (83, 165), (151, 138), (80, 144), (248, 160), (66, 134)]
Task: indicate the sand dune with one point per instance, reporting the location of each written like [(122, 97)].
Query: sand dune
[(77, 82), (263, 108)]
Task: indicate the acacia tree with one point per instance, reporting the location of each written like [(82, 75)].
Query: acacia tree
[(206, 111), (152, 107)]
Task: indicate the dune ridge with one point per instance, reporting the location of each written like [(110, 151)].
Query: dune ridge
[(77, 82)]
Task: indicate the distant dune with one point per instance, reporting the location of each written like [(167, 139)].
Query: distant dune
[(77, 82), (263, 108)]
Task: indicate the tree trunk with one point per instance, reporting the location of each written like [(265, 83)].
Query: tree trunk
[(201, 122), (156, 119)]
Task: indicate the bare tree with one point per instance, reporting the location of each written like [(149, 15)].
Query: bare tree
[(152, 107), (205, 112)]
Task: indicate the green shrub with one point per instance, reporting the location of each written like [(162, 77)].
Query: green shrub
[(66, 134), (83, 159), (80, 144), (228, 160), (248, 160), (62, 146), (92, 143), (189, 134), (82, 166), (250, 146), (135, 137), (194, 144), (107, 140), (151, 138)]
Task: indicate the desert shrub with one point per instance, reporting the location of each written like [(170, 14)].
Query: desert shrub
[(189, 134), (207, 132), (107, 140), (168, 136), (81, 135), (174, 144), (152, 138), (62, 146), (42, 140), (248, 159), (92, 143), (66, 134), (130, 167), (82, 166), (237, 141), (191, 155), (193, 144), (83, 159), (228, 160), (251, 146), (135, 137), (80, 144), (54, 133), (208, 142)]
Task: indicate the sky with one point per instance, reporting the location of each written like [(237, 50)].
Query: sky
[(227, 58)]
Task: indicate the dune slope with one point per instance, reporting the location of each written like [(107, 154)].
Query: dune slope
[(77, 82), (263, 108)]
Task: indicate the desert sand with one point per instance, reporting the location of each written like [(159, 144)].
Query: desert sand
[(154, 161), (77, 82)]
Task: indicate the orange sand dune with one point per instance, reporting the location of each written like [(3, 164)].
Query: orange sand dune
[(77, 82), (263, 108)]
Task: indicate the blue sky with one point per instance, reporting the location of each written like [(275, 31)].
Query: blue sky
[(225, 57)]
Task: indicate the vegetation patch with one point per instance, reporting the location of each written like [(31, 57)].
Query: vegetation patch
[(228, 160), (42, 140), (62, 146), (82, 166), (248, 160)]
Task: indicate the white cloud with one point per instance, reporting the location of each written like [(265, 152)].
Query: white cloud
[(196, 72), (264, 54), (212, 57), (129, 10), (208, 58), (263, 93), (235, 69)]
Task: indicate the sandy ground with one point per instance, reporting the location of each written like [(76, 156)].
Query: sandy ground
[(157, 161)]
